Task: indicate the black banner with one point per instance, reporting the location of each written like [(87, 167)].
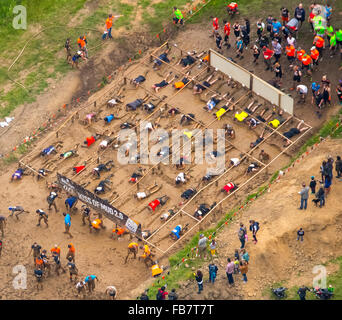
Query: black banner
[(99, 204)]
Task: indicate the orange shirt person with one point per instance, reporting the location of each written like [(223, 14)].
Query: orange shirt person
[(71, 252), (300, 54), (56, 250), (290, 53), (319, 44), (109, 25), (132, 249)]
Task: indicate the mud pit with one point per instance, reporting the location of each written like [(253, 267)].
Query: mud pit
[(122, 192)]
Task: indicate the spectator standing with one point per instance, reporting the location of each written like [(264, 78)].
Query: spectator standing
[(245, 255), (300, 234), (230, 271), (199, 279), (202, 246), (173, 295), (212, 246), (304, 196), (302, 292), (244, 270), (212, 272), (241, 234), (299, 14), (254, 228), (162, 293), (320, 195), (313, 184)]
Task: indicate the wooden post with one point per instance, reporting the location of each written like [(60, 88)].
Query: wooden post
[(94, 104)]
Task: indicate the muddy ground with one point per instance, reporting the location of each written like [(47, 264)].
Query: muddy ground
[(31, 194)]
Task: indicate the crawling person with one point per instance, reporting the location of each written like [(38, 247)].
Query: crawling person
[(229, 131), (163, 83), (278, 120), (253, 167), (186, 119), (42, 173), (49, 150), (90, 140), (80, 168), (181, 84), (214, 101), (229, 187), (241, 116), (105, 143), (202, 210), (103, 186), (70, 203), (103, 167), (89, 117), (139, 79), (162, 58), (254, 121), (18, 209), (294, 131), (118, 232), (149, 191), (224, 109), (19, 173), (259, 140), (69, 153), (177, 232), (199, 88), (153, 205), (189, 59)]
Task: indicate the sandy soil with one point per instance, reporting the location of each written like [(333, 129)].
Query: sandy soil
[(278, 256)]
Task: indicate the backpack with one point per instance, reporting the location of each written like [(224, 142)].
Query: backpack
[(159, 295), (241, 233), (256, 224)]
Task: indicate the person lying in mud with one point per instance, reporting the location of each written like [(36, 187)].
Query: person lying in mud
[(181, 84), (259, 140), (199, 88), (229, 106), (189, 193), (214, 101), (254, 121), (253, 167), (19, 173), (178, 231), (148, 191), (96, 225), (153, 205), (229, 187), (42, 173), (247, 112), (118, 232), (90, 140), (78, 169), (278, 120), (50, 150), (139, 80), (104, 185), (181, 178), (136, 175), (229, 130), (293, 132), (167, 215), (126, 125), (165, 82), (190, 59), (186, 119), (203, 210), (102, 167), (105, 143), (70, 153), (90, 117), (157, 63)]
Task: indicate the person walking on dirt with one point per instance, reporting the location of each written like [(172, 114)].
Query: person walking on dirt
[(80, 287), (58, 264), (302, 292), (67, 48), (38, 273), (132, 249), (72, 268), (42, 215), (226, 31), (242, 235), (85, 215), (67, 223), (111, 292), (35, 248), (51, 200), (300, 234), (229, 272), (299, 14), (178, 18), (245, 256), (147, 255), (212, 272), (71, 252), (268, 54), (254, 228), (304, 196), (18, 209), (90, 282)]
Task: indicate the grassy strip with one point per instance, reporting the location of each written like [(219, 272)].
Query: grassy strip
[(179, 272)]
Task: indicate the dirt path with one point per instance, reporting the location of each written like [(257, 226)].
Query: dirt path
[(278, 256)]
